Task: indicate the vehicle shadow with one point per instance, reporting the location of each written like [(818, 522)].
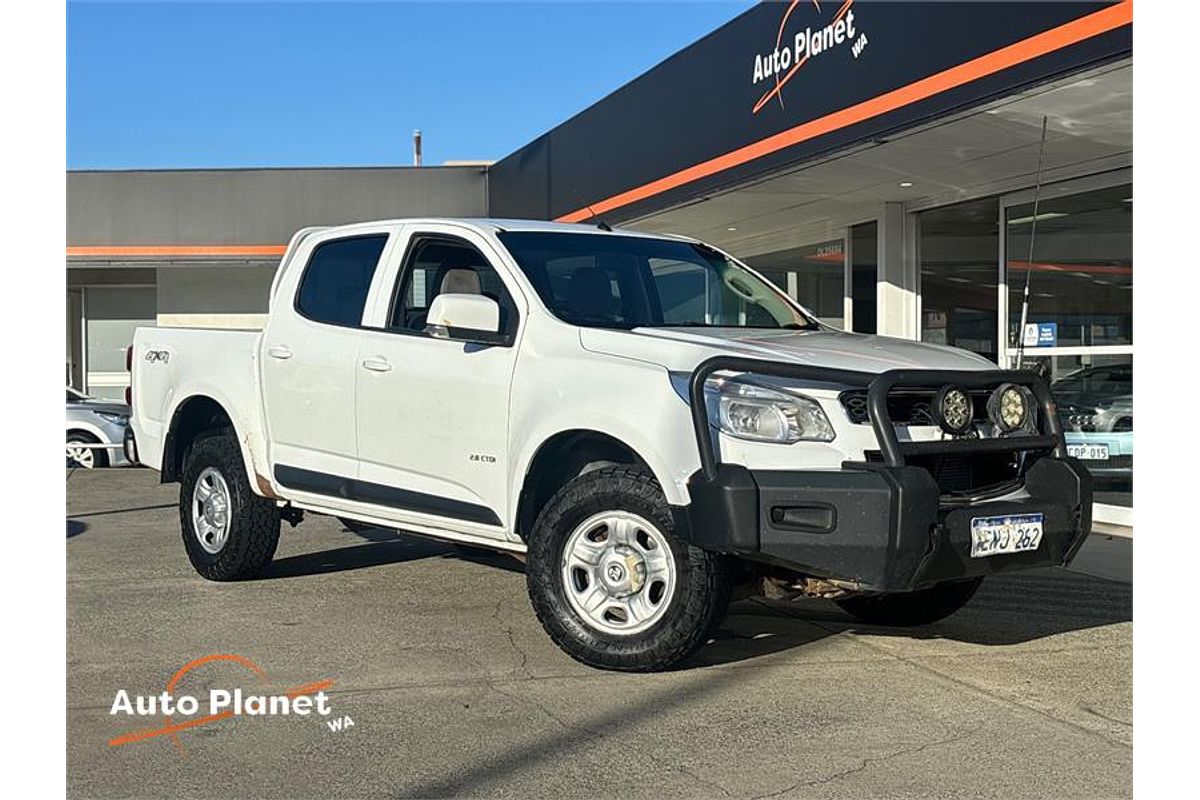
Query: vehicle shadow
[(127, 510), (75, 527), (382, 547), (1008, 609)]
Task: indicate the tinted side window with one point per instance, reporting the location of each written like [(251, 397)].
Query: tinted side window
[(437, 266), (337, 279)]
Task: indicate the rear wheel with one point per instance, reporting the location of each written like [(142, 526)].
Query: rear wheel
[(79, 455), (229, 532), (907, 609), (610, 581)]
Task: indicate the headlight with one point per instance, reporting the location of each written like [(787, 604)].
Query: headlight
[(114, 419), (757, 413), (1009, 407)]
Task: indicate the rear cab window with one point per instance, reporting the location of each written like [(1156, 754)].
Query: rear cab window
[(337, 279)]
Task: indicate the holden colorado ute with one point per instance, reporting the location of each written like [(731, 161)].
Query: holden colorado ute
[(644, 419)]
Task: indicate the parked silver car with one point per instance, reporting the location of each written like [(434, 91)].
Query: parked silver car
[(1095, 407), (91, 421)]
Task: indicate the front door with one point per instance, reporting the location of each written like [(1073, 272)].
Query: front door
[(433, 413)]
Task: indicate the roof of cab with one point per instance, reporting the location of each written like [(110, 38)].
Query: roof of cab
[(499, 225)]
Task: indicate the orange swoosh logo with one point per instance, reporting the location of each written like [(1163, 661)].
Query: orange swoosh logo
[(781, 82)]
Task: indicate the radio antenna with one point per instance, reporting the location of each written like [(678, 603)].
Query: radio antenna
[(601, 224), (1037, 191)]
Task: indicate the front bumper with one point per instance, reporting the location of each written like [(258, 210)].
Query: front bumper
[(883, 526), (881, 529)]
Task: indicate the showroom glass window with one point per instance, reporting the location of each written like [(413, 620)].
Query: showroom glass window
[(957, 247), (1079, 327), (337, 279), (813, 275), (1081, 277)]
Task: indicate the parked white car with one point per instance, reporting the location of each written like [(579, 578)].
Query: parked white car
[(645, 418)]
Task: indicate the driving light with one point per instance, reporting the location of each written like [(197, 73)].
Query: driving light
[(1009, 407), (115, 419), (760, 414), (954, 410)]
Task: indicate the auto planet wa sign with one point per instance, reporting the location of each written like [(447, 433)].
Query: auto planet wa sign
[(821, 34)]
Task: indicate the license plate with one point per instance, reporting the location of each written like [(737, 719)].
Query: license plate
[(993, 536), (1088, 452)]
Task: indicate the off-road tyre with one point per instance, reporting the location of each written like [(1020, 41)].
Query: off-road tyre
[(909, 609), (702, 587), (253, 520)]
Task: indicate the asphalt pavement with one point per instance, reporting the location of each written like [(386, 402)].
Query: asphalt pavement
[(454, 690)]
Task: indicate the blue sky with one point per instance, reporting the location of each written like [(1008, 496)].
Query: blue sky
[(305, 84)]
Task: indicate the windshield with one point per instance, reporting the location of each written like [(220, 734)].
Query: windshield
[(613, 281)]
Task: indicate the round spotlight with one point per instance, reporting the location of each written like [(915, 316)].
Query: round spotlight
[(1009, 407), (954, 410)]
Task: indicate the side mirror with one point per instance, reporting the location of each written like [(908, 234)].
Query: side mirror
[(465, 318)]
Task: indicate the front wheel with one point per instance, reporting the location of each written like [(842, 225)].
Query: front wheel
[(229, 532), (612, 584), (907, 609)]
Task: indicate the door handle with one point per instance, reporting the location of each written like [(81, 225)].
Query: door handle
[(377, 364), (280, 351)]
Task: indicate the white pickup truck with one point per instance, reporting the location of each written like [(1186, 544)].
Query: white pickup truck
[(646, 419)]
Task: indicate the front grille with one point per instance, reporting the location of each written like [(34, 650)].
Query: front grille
[(966, 473), (969, 474), (905, 407)]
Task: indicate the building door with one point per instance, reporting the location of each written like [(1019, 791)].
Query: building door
[(863, 277)]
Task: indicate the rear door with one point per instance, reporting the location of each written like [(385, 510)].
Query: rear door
[(309, 357), (433, 413)]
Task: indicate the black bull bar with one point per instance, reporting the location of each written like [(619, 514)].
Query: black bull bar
[(884, 525)]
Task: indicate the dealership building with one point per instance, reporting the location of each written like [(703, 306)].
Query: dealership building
[(880, 161)]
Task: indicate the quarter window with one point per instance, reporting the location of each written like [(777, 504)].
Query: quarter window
[(337, 279)]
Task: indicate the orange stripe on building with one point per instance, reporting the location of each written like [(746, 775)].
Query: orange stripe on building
[(1041, 44), (170, 250)]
